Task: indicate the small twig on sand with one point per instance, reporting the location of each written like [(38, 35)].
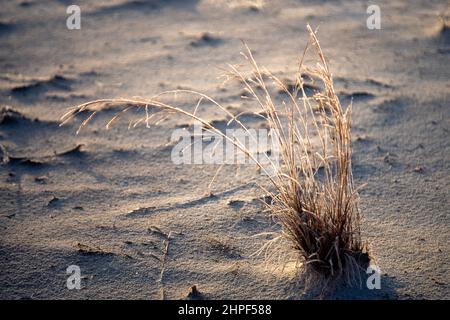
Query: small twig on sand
[(166, 243)]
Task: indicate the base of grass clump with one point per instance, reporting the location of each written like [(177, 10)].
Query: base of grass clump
[(349, 266), (314, 198), (322, 247)]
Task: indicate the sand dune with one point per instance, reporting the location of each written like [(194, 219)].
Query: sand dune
[(108, 200)]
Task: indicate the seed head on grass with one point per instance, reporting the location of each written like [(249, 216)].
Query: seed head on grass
[(313, 194)]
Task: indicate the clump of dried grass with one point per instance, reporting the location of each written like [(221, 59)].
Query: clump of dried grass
[(315, 200)]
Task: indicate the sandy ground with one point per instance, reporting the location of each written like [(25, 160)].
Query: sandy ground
[(105, 200)]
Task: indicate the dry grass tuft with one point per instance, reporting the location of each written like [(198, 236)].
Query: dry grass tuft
[(314, 198)]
